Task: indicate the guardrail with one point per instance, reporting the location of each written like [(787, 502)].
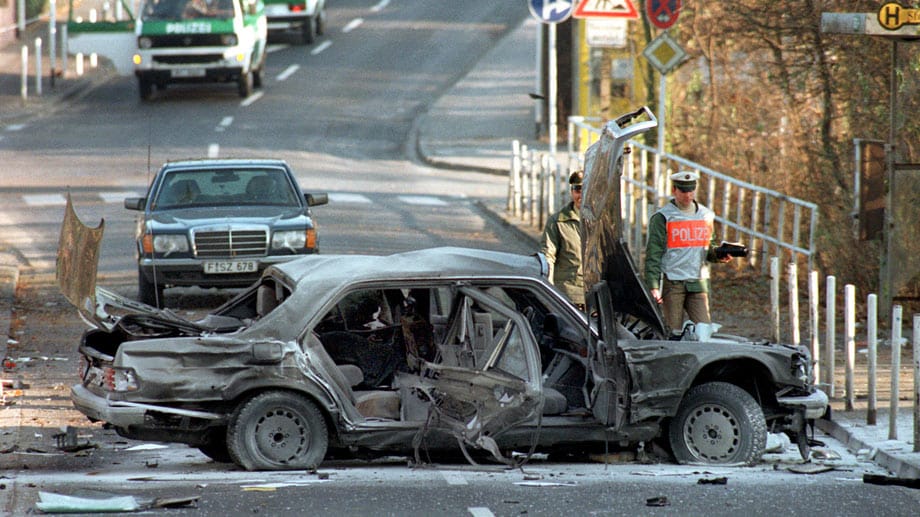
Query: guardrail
[(768, 222)]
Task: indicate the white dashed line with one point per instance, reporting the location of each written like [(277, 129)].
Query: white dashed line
[(15, 127), (117, 197), (252, 98), (321, 47), (213, 150), (352, 25), (44, 199), (453, 478), (478, 511), (289, 71), (380, 6), (342, 197), (224, 124), (422, 200), (275, 48)]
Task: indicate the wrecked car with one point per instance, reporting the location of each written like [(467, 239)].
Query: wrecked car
[(435, 349)]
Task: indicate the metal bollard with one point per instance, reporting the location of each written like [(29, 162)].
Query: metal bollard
[(774, 296), (849, 323), (79, 64), (895, 372), (916, 345), (793, 279), (513, 172), (813, 303), (38, 66), (830, 333), (24, 83), (872, 342)]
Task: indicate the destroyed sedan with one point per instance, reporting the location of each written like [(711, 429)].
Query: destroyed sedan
[(436, 349)]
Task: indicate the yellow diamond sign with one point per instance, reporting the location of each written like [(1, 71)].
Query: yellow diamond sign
[(664, 53)]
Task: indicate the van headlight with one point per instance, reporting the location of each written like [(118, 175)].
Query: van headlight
[(228, 40), (144, 42)]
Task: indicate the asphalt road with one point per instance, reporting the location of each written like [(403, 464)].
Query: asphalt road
[(342, 113)]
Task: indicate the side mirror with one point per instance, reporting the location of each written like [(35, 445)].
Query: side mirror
[(135, 203), (316, 199)]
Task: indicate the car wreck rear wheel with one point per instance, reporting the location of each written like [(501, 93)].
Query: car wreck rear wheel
[(718, 422), (276, 431)]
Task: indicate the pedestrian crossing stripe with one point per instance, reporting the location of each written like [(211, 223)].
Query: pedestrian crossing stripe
[(44, 199), (423, 200), (344, 197)]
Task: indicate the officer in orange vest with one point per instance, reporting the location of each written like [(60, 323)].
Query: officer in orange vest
[(677, 255)]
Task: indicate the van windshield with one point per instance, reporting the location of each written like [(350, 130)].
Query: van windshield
[(187, 9)]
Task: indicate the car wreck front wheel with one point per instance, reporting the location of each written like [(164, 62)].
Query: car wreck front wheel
[(277, 431), (720, 423)]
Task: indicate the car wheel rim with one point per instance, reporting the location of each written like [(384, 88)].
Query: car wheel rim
[(281, 435), (712, 433)]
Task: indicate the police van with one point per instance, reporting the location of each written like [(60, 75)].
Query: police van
[(200, 41)]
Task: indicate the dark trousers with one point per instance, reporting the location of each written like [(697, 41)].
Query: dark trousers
[(676, 300)]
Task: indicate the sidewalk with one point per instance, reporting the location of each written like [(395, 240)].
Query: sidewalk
[(64, 86), (470, 128)]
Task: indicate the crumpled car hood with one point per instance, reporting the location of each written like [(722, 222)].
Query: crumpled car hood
[(605, 254), (77, 259)]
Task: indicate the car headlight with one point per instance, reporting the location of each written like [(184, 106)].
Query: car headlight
[(144, 42), (169, 244), (228, 40), (290, 239), (801, 369)]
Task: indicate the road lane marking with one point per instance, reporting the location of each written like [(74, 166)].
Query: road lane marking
[(422, 200), (252, 98), (321, 47), (479, 511), (274, 48), (117, 197), (224, 124), (344, 197), (352, 25), (213, 150), (380, 6), (44, 199), (15, 127), (453, 478), (289, 71)]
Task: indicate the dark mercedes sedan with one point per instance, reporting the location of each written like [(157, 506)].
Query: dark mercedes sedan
[(220, 223)]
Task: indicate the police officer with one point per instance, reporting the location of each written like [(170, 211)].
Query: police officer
[(677, 255), (561, 243)]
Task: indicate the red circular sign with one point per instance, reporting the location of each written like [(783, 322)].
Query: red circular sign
[(662, 13)]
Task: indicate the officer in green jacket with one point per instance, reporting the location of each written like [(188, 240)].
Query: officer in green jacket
[(677, 255), (561, 244)]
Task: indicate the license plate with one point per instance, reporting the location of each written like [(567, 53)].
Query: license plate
[(230, 266), (188, 72)]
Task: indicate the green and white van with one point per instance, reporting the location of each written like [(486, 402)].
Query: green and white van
[(200, 41)]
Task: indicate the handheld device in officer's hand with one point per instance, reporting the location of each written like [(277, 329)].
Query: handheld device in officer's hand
[(731, 249)]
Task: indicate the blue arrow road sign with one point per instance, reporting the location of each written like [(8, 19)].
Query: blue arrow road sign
[(550, 11)]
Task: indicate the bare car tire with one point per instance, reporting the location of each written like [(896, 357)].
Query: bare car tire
[(277, 431), (718, 423)]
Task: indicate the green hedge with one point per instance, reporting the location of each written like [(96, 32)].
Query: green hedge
[(35, 8)]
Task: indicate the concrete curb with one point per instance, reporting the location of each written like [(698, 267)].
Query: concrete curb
[(898, 466)]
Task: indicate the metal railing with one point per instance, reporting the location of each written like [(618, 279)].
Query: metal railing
[(766, 221)]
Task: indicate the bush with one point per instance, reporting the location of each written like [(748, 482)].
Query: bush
[(35, 8)]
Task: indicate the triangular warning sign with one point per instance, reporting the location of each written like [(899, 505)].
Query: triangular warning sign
[(605, 9)]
